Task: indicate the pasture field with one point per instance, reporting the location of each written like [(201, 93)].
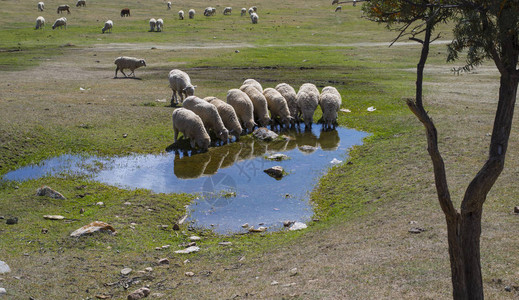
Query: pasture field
[(58, 95)]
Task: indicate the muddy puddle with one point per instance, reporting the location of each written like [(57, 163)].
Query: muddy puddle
[(229, 180)]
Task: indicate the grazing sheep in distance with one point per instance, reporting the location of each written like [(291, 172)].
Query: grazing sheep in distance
[(153, 23), (63, 8), (60, 23), (108, 26), (209, 11), (209, 115), (338, 8), (243, 11), (278, 106), (181, 14), (335, 2), (41, 6), (180, 83), (250, 11), (125, 12), (125, 62), (259, 102), (254, 18), (254, 83), (289, 94), (307, 100), (243, 107), (227, 10), (192, 127), (40, 22), (160, 25), (255, 9), (330, 101), (169, 5), (191, 13), (228, 115), (80, 3)]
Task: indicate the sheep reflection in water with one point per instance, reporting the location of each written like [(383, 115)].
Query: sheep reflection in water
[(208, 163)]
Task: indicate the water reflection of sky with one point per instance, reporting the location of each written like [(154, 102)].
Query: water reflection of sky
[(230, 180)]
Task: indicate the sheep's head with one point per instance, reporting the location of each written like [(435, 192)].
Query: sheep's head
[(224, 135), (204, 143), (190, 90), (142, 62)]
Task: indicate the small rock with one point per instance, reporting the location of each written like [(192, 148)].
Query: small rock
[(188, 250), (259, 229), (274, 283), (335, 161), (225, 243), (264, 134), (186, 261), (189, 274), (157, 295), (11, 221), (298, 226), (288, 223), (293, 272), (139, 294), (4, 268), (307, 148), (2, 291), (103, 296), (371, 108), (176, 227), (516, 210), (345, 110), (508, 288), (416, 230), (126, 271), (127, 203), (278, 157), (165, 246), (100, 203), (44, 231), (53, 217), (164, 227), (194, 238), (276, 172), (191, 244), (148, 269), (47, 191), (96, 226), (246, 225), (163, 261), (125, 135)]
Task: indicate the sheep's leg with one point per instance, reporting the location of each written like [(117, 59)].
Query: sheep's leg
[(123, 72), (132, 73), (116, 69), (174, 99), (176, 133)]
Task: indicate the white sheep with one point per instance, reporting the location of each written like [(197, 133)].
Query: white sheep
[(40, 22), (169, 5), (278, 106), (125, 62), (254, 83), (251, 10), (191, 13), (180, 83), (228, 115), (209, 115), (153, 23), (255, 9), (63, 8), (209, 11), (181, 15), (254, 18), (307, 100), (80, 3), (330, 101), (259, 102), (160, 25), (243, 11), (60, 23), (41, 6), (243, 107), (227, 10), (192, 127), (289, 94), (108, 26)]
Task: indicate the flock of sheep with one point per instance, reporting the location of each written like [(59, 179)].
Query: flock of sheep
[(155, 24)]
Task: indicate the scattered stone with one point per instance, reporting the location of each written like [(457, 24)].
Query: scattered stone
[(126, 271), (307, 148), (191, 244), (189, 274), (371, 108), (148, 269), (44, 231), (11, 221), (288, 223), (2, 291), (49, 192), (246, 225), (103, 296), (416, 230), (186, 261), (163, 261), (165, 246), (100, 203), (127, 203), (188, 250), (278, 157), (164, 227), (274, 283), (53, 217), (516, 210), (508, 288), (4, 268), (225, 243), (345, 110), (143, 292), (176, 227), (194, 238), (264, 134), (125, 135), (259, 229), (316, 220), (96, 226), (298, 226), (276, 172), (335, 161), (293, 272), (413, 222)]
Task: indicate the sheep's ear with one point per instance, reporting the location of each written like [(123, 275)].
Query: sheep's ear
[(194, 86)]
